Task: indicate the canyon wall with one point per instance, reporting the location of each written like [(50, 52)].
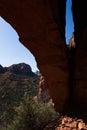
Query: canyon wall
[(80, 64)]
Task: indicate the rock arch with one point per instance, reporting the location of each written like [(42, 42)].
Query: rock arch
[(40, 25)]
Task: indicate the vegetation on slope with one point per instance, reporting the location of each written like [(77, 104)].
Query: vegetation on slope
[(18, 110)]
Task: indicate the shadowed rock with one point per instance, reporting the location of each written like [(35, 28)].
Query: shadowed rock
[(40, 25)]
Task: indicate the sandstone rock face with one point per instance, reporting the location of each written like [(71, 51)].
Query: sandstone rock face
[(40, 26), (80, 70), (43, 93)]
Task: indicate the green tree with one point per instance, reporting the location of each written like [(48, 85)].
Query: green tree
[(32, 116)]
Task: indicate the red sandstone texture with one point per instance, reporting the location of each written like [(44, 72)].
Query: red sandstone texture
[(40, 26), (67, 123), (43, 93)]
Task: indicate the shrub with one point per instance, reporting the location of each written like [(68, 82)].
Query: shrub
[(32, 116)]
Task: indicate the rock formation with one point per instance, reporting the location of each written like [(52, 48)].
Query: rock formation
[(41, 28), (80, 62), (43, 93), (20, 69), (72, 41), (40, 25), (67, 123)]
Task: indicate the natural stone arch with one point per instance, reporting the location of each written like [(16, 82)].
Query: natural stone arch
[(40, 26)]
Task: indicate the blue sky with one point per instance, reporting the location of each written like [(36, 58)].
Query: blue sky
[(12, 51), (69, 21)]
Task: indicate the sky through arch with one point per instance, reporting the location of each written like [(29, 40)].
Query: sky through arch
[(69, 28), (11, 50)]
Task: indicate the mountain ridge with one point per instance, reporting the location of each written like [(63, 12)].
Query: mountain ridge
[(19, 69)]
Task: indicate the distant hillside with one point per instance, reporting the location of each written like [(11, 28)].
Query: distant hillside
[(20, 69), (15, 81)]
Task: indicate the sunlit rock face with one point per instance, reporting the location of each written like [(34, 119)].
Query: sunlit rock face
[(43, 95), (40, 25)]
